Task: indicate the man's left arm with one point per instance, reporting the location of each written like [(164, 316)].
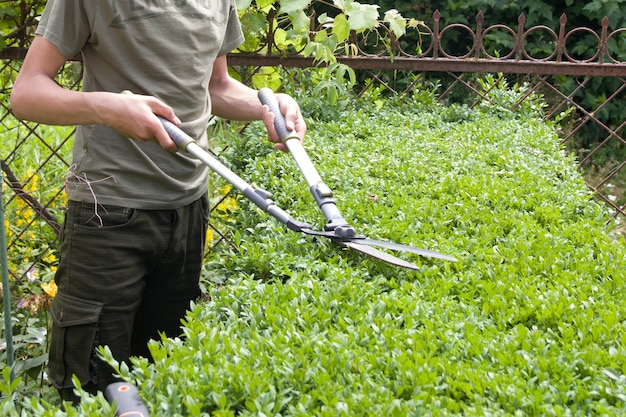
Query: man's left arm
[(233, 100)]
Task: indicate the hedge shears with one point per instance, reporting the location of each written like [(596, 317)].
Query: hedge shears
[(337, 229)]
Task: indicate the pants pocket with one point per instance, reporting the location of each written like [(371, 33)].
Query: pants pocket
[(73, 340)]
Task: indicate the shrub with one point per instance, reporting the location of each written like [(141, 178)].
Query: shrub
[(528, 322)]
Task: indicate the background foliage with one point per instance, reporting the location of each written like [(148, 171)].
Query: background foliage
[(579, 13), (17, 21)]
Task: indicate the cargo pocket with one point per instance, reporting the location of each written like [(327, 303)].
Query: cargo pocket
[(73, 341)]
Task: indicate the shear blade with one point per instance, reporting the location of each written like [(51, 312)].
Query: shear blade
[(371, 251), (404, 248)]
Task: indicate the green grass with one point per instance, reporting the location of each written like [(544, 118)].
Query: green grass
[(528, 322)]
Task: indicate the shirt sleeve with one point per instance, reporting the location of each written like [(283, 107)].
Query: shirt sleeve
[(66, 24), (234, 34)]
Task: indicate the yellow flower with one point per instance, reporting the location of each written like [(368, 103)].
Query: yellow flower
[(32, 185), (225, 189), (50, 288), (229, 204), (50, 258), (209, 237)]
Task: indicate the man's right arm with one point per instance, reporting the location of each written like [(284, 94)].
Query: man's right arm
[(38, 98)]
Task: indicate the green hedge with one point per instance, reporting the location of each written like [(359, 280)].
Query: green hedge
[(528, 322)]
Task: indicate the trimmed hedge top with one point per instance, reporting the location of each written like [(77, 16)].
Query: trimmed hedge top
[(528, 322)]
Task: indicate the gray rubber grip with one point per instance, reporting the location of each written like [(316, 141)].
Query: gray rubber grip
[(180, 138), (267, 97), (127, 400)]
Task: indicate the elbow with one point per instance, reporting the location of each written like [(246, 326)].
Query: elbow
[(17, 105), (24, 96)]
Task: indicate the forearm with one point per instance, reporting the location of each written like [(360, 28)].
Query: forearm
[(41, 100), (234, 101), (132, 116)]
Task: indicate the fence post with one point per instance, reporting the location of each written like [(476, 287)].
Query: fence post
[(6, 288)]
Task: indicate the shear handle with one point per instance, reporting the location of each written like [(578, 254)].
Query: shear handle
[(321, 192)]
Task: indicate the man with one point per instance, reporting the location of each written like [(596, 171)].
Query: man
[(132, 243)]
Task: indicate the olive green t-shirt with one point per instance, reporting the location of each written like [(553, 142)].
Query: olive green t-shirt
[(163, 48)]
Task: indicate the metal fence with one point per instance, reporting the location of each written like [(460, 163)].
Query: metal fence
[(34, 197)]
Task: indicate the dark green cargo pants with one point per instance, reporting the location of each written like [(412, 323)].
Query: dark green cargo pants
[(124, 276)]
